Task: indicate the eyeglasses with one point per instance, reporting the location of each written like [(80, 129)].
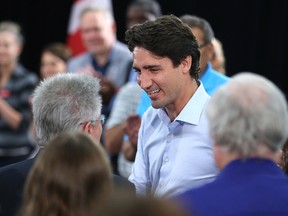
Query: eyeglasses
[(101, 119)]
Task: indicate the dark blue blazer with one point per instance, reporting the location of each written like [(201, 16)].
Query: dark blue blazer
[(252, 187), (12, 180)]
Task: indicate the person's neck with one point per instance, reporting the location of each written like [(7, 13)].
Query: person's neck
[(103, 57), (262, 152), (173, 110)]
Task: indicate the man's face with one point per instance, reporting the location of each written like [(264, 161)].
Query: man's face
[(51, 65), (136, 15), (206, 50), (98, 34), (164, 83), (9, 48)]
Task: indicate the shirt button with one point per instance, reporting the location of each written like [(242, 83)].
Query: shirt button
[(166, 160)]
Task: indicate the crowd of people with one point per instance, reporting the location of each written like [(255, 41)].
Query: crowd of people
[(153, 126)]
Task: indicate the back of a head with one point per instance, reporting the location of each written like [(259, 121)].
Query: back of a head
[(139, 11), (62, 102), (125, 205), (201, 23), (247, 113), (72, 176), (168, 29)]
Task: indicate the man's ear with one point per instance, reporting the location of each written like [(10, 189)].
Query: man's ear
[(186, 64), (87, 127)]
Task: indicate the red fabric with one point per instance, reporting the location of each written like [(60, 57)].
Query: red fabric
[(74, 42)]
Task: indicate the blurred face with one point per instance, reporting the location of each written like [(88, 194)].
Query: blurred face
[(136, 14), (51, 64), (98, 34), (164, 83), (206, 50), (9, 49)]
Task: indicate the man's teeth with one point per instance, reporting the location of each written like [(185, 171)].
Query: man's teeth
[(155, 91)]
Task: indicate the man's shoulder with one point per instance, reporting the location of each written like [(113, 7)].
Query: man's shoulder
[(196, 198), (12, 181), (121, 51), (119, 46), (78, 61), (20, 168), (150, 113)]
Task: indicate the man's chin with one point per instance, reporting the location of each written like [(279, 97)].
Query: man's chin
[(156, 105)]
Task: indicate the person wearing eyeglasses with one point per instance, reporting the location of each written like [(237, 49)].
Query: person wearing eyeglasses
[(204, 34), (63, 103)]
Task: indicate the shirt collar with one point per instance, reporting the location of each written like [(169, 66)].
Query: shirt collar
[(192, 111)]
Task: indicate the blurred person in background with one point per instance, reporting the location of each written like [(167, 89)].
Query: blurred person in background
[(106, 58), (16, 86), (218, 60), (54, 58)]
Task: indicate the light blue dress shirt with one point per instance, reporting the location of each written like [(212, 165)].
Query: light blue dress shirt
[(212, 79), (174, 156)]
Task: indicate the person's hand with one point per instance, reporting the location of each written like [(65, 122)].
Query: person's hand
[(107, 90), (89, 70), (132, 128)]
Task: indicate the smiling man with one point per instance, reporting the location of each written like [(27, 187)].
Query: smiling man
[(174, 150)]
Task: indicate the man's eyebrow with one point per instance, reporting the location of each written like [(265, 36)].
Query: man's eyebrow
[(147, 67), (135, 68), (151, 66)]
